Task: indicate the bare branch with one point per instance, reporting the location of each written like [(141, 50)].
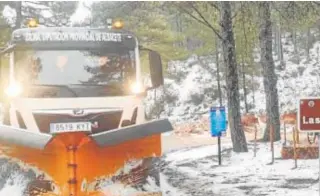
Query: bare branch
[(234, 10), (213, 5), (316, 2), (205, 21), (244, 31), (279, 11), (192, 16), (235, 15)]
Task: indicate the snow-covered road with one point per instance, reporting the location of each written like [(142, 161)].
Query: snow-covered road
[(195, 172), (171, 141)]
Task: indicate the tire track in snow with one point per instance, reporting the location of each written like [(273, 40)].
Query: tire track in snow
[(189, 176)]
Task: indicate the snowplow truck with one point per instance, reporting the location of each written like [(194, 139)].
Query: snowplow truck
[(74, 121)]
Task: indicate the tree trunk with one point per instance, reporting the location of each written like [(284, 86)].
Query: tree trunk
[(218, 71), (278, 42), (268, 71), (307, 45), (253, 90), (295, 47), (282, 64), (318, 55), (179, 28), (244, 86), (19, 15), (229, 55), (275, 30)]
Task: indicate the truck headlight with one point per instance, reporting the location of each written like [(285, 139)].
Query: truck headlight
[(13, 90), (137, 88)]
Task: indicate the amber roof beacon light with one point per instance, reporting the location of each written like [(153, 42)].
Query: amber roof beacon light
[(32, 23), (118, 24)]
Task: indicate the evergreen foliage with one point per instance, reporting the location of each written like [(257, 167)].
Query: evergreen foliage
[(148, 21), (51, 13)]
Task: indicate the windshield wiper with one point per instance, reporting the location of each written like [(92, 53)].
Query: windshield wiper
[(88, 84), (112, 86), (57, 85)]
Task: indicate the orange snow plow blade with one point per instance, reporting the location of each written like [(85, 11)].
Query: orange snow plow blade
[(113, 163)]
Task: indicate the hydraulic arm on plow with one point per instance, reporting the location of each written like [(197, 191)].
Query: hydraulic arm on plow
[(74, 115)]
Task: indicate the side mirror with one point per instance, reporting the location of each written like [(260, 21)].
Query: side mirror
[(155, 69)]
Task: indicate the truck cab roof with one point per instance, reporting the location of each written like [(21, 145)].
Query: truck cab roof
[(73, 37), (69, 29)]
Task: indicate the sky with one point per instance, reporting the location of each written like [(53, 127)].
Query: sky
[(80, 14)]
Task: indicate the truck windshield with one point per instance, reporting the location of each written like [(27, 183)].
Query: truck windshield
[(74, 67)]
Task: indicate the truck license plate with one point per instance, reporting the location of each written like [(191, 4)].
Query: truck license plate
[(70, 127)]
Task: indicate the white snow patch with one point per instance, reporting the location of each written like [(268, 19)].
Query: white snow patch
[(12, 190), (191, 88), (241, 173), (195, 153), (119, 189)]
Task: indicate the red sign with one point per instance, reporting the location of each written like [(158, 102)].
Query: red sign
[(309, 115)]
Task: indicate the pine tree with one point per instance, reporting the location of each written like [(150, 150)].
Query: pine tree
[(230, 61), (268, 70), (148, 21), (57, 12)]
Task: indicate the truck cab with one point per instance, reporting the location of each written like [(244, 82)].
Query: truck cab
[(65, 68), (73, 109)]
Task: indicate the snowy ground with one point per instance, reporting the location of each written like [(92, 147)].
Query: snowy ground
[(195, 172)]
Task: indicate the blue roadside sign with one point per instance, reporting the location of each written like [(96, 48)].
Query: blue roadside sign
[(218, 121)]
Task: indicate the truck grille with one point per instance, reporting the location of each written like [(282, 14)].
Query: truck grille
[(106, 120)]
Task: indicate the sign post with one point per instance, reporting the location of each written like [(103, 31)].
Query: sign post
[(319, 159), (309, 118), (218, 126)]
